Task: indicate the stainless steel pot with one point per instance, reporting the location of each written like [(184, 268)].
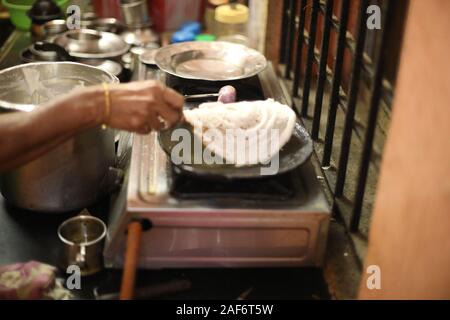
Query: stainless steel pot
[(54, 28), (74, 175)]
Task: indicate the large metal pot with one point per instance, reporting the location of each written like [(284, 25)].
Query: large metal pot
[(75, 174)]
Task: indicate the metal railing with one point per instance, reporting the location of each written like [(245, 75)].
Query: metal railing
[(299, 36)]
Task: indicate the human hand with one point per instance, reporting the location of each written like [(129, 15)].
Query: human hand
[(144, 106)]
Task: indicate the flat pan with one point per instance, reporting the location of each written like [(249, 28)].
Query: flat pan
[(296, 152), (211, 61)]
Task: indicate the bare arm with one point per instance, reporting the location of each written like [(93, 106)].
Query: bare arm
[(134, 107), (26, 136)]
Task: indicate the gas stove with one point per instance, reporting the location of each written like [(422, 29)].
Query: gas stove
[(278, 221)]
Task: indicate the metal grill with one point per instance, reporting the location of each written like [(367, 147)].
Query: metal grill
[(320, 92)]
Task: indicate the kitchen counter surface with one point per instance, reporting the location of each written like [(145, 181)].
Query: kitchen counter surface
[(26, 236)]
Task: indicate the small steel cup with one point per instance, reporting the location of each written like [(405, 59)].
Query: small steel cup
[(135, 13), (83, 237)]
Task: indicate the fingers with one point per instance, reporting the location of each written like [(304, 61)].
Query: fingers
[(154, 121), (144, 130), (173, 98), (144, 106), (171, 115)]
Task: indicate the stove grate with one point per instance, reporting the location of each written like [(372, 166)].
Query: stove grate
[(276, 188)]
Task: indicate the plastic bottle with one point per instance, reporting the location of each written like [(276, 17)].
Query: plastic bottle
[(231, 23)]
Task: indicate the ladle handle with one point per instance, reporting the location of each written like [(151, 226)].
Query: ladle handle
[(131, 260)]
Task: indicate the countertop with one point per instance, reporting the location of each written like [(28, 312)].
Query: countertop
[(26, 236)]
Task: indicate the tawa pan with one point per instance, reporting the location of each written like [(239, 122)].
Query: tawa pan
[(296, 152)]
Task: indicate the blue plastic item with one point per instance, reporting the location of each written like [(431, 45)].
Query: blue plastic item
[(192, 26), (183, 36)]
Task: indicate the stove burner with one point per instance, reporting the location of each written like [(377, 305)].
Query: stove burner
[(189, 187), (275, 188)]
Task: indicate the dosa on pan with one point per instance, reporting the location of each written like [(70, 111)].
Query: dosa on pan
[(243, 133)]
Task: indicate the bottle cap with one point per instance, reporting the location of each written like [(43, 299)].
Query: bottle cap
[(193, 26), (183, 36), (232, 14), (205, 37)]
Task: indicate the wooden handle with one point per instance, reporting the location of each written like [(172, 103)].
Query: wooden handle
[(131, 260)]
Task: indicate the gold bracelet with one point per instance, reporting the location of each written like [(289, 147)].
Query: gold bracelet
[(107, 106)]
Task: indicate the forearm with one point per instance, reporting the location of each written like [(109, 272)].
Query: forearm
[(26, 136)]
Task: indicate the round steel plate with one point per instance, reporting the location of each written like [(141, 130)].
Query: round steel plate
[(212, 61), (91, 44)]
